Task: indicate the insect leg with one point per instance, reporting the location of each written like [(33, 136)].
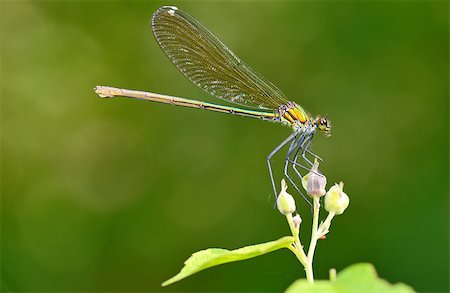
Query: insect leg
[(295, 163), (305, 149), (272, 153), (294, 146)]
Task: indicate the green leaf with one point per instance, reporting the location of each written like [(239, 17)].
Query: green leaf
[(356, 278), (216, 256)]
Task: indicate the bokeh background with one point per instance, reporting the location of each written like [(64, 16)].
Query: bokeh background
[(113, 195)]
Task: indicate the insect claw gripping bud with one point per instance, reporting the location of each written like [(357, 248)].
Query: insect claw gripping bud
[(336, 201), (285, 201)]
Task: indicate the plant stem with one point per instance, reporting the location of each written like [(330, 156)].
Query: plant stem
[(317, 232), (325, 226), (309, 273), (297, 249), (333, 275), (314, 238)]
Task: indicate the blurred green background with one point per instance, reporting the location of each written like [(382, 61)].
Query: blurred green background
[(113, 195)]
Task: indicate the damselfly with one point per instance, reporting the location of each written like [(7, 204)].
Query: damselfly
[(210, 65)]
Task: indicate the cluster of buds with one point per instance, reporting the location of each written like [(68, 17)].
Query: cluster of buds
[(336, 201)]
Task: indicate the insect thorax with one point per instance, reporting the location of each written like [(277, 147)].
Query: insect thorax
[(292, 114)]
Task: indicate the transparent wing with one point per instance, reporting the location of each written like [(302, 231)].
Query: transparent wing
[(205, 61)]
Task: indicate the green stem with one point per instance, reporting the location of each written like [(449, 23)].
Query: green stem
[(309, 273), (325, 226), (297, 249), (333, 275), (314, 238)]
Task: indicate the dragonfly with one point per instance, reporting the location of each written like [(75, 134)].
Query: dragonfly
[(209, 64)]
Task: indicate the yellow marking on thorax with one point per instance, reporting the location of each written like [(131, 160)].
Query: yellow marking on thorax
[(295, 114), (298, 114), (288, 117)]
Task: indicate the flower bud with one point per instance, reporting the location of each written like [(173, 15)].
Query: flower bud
[(297, 221), (285, 201), (336, 201), (314, 183)]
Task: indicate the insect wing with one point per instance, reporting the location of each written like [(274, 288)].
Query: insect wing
[(209, 64)]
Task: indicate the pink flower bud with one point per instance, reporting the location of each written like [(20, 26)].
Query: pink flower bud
[(297, 221), (314, 182)]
